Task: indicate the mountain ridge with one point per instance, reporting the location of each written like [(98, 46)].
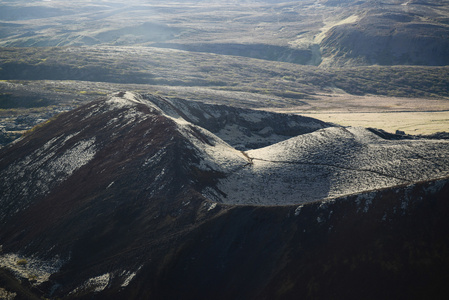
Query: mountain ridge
[(124, 191), (353, 150)]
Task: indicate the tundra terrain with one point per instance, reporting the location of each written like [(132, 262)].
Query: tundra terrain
[(204, 149)]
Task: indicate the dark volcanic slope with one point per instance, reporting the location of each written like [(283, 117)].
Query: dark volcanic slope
[(93, 187), (98, 146), (241, 128), (107, 202)]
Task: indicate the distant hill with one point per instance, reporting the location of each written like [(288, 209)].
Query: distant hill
[(390, 36), (325, 33)]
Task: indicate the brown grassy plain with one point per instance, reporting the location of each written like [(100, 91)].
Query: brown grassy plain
[(411, 115)]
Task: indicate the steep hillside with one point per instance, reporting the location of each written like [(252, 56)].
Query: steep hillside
[(390, 244), (100, 144), (390, 33), (242, 128), (128, 197), (75, 187)]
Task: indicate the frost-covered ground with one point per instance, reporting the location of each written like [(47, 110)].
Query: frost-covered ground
[(42, 170), (325, 163), (33, 269), (214, 153), (329, 163), (38, 271), (101, 282)]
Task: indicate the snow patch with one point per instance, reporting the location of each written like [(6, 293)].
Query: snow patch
[(209, 205), (48, 166), (76, 157), (129, 277), (97, 284), (213, 205), (33, 269), (214, 153), (298, 210), (155, 158), (69, 137), (6, 295)]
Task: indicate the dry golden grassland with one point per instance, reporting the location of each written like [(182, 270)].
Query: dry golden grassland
[(411, 115), (409, 122)]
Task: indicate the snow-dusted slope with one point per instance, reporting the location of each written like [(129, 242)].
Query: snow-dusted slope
[(214, 154), (320, 164), (99, 199), (121, 129), (331, 162)]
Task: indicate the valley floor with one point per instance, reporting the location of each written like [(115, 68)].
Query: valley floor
[(409, 122), (411, 115)]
